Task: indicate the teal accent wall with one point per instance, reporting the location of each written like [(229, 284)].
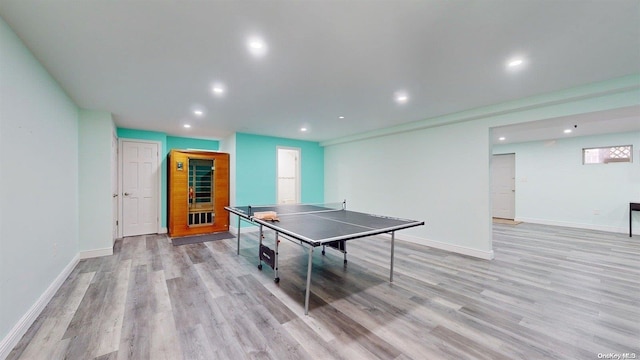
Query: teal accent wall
[(255, 165), (142, 135), (174, 142), (167, 144), (256, 158)]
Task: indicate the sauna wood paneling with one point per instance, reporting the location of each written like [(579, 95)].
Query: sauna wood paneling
[(178, 193)]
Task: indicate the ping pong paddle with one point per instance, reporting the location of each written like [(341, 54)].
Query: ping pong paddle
[(266, 215)]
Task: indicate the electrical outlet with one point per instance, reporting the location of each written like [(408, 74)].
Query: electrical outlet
[(55, 249), (596, 212)]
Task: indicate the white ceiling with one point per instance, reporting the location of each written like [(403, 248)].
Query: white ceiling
[(150, 63)]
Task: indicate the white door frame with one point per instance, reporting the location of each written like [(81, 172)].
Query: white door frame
[(115, 167), (298, 172), (120, 174)]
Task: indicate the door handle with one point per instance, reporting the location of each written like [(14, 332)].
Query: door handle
[(114, 195), (127, 194)]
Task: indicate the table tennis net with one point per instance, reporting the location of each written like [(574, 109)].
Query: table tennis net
[(293, 209)]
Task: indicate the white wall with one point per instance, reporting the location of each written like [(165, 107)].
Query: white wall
[(437, 170), (95, 201), (554, 187), (228, 145), (436, 175), (39, 182)]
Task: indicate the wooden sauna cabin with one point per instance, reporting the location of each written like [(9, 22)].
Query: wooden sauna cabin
[(198, 192)]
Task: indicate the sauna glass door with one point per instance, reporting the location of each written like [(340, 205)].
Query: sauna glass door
[(201, 185)]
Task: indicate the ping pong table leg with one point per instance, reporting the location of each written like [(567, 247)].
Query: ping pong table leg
[(306, 295), (238, 235), (344, 250), (393, 236), (260, 249), (276, 279)]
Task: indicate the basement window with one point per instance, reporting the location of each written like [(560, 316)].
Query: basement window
[(608, 154)]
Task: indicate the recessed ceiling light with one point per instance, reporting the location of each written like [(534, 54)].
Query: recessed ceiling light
[(303, 129), (218, 89), (197, 110), (187, 126), (567, 131), (502, 138), (257, 46), (515, 63), (340, 117), (401, 97)]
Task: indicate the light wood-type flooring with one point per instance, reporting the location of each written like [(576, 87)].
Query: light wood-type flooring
[(550, 293)]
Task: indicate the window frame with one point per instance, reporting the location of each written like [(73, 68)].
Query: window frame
[(605, 162)]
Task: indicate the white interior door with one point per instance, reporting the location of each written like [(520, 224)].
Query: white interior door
[(114, 184), (288, 175), (140, 184), (503, 186)]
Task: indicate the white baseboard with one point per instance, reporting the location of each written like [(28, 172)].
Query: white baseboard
[(95, 253), (163, 230), (13, 337), (613, 229), (463, 250)]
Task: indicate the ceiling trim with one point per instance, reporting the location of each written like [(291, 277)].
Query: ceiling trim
[(627, 84)]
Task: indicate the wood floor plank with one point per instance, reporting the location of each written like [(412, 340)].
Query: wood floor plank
[(251, 339), (466, 346), (112, 315), (266, 299), (205, 271), (109, 356), (198, 347), (45, 340), (134, 341), (279, 341), (550, 293), (164, 342), (198, 253), (308, 338)]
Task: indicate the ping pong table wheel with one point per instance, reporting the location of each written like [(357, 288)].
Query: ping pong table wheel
[(345, 261), (276, 280), (260, 267), (322, 252)]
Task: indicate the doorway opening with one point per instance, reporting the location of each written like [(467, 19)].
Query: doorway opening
[(288, 181), (139, 162), (503, 186)]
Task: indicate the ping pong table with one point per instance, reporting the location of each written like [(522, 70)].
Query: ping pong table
[(311, 226)]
